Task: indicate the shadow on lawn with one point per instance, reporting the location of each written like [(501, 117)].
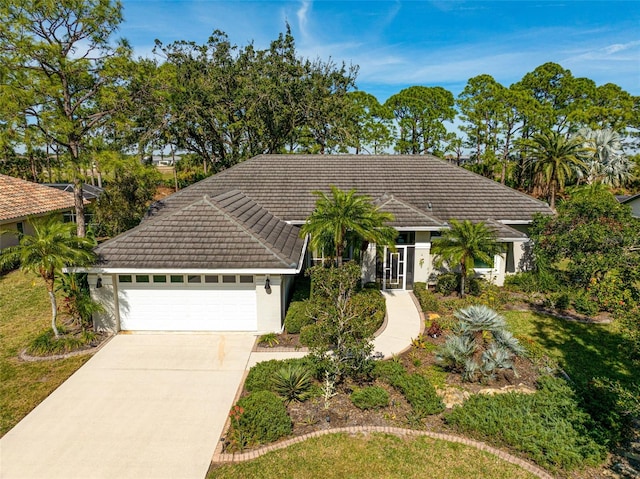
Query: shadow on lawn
[(585, 351), (595, 358)]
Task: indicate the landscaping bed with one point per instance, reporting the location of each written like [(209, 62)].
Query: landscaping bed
[(555, 345)]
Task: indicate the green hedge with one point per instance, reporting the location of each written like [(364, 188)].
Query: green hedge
[(428, 301), (371, 397), (259, 418), (417, 389), (547, 426), (297, 317), (260, 376)]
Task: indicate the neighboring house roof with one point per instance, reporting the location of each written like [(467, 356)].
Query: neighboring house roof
[(20, 199), (89, 192), (283, 184), (229, 231)]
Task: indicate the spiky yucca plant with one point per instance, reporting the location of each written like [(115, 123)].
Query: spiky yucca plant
[(482, 344), (292, 382)]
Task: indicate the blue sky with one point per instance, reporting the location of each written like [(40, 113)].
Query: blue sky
[(402, 43)]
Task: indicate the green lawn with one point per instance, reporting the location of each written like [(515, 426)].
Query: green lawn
[(25, 312), (584, 351), (378, 455)]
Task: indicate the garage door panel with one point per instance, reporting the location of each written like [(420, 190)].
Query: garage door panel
[(187, 308)]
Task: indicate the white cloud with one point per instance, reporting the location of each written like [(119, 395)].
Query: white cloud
[(302, 15)]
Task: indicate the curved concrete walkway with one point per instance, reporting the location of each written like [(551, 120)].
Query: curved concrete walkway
[(404, 323)]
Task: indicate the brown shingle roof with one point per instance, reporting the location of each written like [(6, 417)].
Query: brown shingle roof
[(283, 184), (20, 198), (229, 231)]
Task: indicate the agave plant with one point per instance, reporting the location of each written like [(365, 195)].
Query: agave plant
[(292, 382), (481, 344)]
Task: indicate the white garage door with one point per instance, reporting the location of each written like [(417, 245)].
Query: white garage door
[(180, 303)]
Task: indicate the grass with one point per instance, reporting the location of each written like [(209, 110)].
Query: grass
[(584, 351), (376, 455), (25, 312)]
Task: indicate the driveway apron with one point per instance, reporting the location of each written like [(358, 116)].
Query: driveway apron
[(145, 406)]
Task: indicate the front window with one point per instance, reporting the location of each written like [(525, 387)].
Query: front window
[(477, 264)]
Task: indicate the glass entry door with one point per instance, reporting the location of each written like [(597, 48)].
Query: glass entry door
[(394, 268)]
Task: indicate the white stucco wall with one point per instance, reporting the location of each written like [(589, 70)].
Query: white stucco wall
[(423, 262), (369, 264), (108, 298), (269, 304)]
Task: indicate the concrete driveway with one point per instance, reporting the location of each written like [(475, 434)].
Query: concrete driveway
[(145, 406)]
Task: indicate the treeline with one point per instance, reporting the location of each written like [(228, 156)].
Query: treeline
[(70, 97)]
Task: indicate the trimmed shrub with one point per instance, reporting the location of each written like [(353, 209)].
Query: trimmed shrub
[(428, 301), (612, 405), (447, 283), (583, 304), (421, 394), (309, 335), (388, 371), (369, 305), (258, 418), (547, 426), (372, 397), (417, 389), (301, 289), (297, 317), (531, 282), (260, 376)]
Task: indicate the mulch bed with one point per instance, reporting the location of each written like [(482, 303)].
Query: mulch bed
[(311, 416)]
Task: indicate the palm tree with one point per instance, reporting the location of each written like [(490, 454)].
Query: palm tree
[(606, 162), (463, 244), (555, 157), (52, 247), (346, 218)]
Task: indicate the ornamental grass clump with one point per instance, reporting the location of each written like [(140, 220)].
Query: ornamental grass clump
[(481, 346)]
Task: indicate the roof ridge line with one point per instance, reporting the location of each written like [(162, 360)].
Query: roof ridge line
[(268, 246), (150, 221), (412, 207)]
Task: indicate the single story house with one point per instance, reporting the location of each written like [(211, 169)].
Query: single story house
[(21, 200), (221, 255)]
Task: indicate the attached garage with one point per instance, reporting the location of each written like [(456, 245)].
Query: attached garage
[(216, 264), (179, 302)]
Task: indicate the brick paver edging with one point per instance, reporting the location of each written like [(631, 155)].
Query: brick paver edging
[(398, 431)]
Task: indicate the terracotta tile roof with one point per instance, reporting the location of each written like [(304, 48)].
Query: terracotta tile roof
[(20, 198), (283, 184), (229, 231)]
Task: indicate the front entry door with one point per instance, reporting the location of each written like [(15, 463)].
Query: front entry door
[(395, 268)]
